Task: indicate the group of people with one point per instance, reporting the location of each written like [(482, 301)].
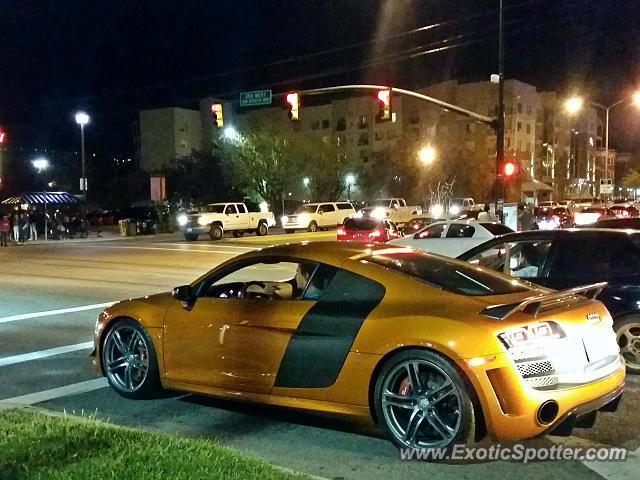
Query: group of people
[(18, 228)]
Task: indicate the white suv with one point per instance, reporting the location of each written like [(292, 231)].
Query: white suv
[(314, 216)]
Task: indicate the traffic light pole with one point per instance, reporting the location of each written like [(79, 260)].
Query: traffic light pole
[(499, 122)]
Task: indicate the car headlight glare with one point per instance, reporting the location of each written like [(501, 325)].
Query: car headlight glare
[(437, 211), (379, 213), (454, 210), (303, 218), (182, 220), (202, 221)]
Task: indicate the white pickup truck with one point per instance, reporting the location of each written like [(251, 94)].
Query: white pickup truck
[(394, 209), (220, 217)]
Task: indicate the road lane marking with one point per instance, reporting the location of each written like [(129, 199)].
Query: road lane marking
[(183, 250), (27, 357), (52, 394), (60, 311)]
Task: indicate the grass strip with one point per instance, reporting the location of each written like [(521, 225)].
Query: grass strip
[(37, 446)]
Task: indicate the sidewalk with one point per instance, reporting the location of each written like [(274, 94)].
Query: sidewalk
[(105, 236)]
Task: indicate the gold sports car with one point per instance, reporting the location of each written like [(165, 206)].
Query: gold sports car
[(433, 350)]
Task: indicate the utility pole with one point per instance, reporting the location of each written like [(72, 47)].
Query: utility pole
[(499, 193)]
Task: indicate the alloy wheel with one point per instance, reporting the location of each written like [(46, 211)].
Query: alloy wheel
[(126, 358), (628, 337), (421, 404)]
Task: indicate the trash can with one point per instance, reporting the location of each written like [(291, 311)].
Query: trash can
[(124, 227), (132, 227)]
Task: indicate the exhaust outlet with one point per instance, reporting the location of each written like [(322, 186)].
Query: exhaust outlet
[(547, 412)]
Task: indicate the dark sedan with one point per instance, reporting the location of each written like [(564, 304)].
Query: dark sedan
[(562, 259), (550, 218)]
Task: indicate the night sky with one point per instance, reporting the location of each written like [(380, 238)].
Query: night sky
[(115, 57)]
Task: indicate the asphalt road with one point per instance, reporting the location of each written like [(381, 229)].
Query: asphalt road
[(49, 299)]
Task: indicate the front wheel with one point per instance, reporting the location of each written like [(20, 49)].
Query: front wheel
[(628, 336), (313, 227), (216, 232), (129, 360), (423, 402), (191, 237), (262, 229)]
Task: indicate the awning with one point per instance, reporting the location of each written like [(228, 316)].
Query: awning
[(41, 198), (535, 186)]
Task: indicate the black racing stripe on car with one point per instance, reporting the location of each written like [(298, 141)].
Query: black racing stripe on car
[(318, 349)]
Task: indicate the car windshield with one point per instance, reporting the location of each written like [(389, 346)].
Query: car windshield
[(447, 275), (306, 209), (381, 202), (216, 208), (361, 224)]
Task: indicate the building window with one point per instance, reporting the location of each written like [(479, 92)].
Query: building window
[(528, 128), (519, 108), (341, 124), (379, 135), (325, 123), (519, 126), (363, 139), (529, 110), (315, 125), (362, 122), (414, 117)]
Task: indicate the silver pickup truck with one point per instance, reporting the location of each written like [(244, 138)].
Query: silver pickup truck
[(220, 217)]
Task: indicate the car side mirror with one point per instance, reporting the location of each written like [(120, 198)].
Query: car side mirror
[(184, 293)]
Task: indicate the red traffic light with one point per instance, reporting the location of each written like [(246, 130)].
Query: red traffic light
[(509, 168), (3, 136), (293, 100), (384, 99), (216, 109)]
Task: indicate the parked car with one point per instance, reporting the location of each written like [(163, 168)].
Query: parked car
[(146, 218), (461, 206), (415, 224), (315, 216), (395, 209), (631, 222), (221, 217), (550, 218), (593, 214), (452, 237), (367, 229), (623, 210), (561, 259), (418, 344), (549, 203)]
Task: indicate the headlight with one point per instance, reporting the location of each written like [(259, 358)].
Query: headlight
[(437, 211), (454, 210), (303, 218), (202, 221), (530, 334), (182, 220), (284, 219), (379, 213)]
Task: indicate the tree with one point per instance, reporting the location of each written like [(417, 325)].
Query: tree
[(262, 161), (631, 179)]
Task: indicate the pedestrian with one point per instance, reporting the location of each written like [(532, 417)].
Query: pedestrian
[(33, 229), (15, 224), (526, 219), (24, 227), (5, 228), (485, 214)]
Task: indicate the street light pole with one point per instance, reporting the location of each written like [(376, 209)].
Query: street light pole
[(84, 181), (500, 118)]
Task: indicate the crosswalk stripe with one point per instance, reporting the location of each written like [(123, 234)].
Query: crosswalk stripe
[(27, 357)]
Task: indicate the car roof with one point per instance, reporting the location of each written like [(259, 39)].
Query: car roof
[(330, 252)]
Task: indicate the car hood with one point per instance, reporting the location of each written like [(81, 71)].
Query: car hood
[(149, 310)]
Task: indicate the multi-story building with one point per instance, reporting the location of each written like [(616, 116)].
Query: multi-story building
[(167, 134)]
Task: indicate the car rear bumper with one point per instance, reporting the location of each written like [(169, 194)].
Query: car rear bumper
[(514, 410)]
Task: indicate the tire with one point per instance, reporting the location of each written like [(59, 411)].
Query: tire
[(313, 227), (628, 338), (290, 230), (216, 232), (191, 237), (262, 229), (135, 373), (440, 416)]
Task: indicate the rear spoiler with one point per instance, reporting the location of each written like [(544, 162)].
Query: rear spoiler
[(549, 301)]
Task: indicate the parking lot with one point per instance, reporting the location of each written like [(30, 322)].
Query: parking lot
[(52, 293)]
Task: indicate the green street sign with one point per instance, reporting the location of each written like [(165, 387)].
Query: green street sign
[(258, 97)]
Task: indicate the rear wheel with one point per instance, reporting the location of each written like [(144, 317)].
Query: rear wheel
[(262, 229), (628, 336), (313, 227), (422, 401), (129, 360), (191, 237), (216, 232)]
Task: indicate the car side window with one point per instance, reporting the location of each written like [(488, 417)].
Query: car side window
[(525, 259), (460, 230), (230, 209), (241, 208), (326, 208), (433, 231)]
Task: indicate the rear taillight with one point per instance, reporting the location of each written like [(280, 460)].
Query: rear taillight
[(341, 232), (556, 219)]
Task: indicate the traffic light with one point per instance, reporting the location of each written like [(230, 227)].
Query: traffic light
[(509, 168), (384, 99), (3, 136), (216, 109), (293, 101)]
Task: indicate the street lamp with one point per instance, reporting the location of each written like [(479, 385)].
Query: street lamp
[(305, 181), (427, 154), (350, 180), (573, 105), (41, 164), (230, 133), (82, 119)]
